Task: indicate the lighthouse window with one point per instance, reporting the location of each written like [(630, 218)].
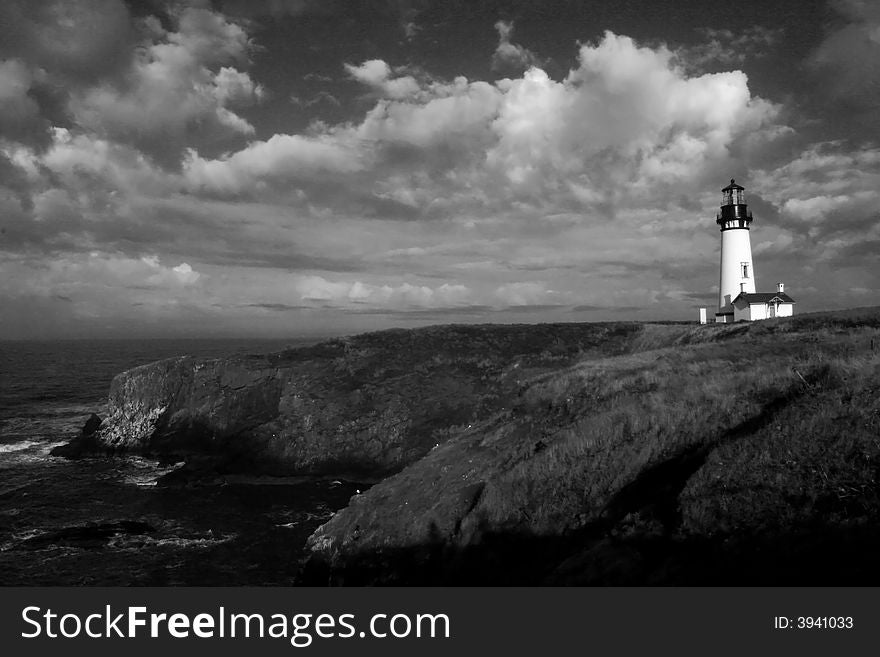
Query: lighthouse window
[(745, 269)]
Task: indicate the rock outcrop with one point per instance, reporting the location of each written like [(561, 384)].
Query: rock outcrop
[(366, 405), (85, 443)]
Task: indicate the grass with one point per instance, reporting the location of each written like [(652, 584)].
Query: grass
[(629, 413)]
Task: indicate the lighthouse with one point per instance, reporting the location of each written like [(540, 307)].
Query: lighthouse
[(737, 271), (737, 299)]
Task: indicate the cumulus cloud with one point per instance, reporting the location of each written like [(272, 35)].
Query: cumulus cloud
[(445, 113), (233, 86), (400, 297), (357, 296), (827, 226), (182, 81), (80, 159), (377, 74), (372, 72), (74, 194), (828, 190), (183, 274), (627, 116), (91, 294), (84, 193), (84, 278), (627, 119), (454, 115), (510, 57), (281, 158)]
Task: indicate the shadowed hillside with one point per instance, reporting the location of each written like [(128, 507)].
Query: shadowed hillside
[(722, 454)]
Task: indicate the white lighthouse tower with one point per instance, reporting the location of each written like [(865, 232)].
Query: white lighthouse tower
[(737, 271)]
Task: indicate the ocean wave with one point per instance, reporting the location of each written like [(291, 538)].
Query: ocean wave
[(146, 472), (20, 446), (52, 423), (28, 534), (323, 514), (192, 542)]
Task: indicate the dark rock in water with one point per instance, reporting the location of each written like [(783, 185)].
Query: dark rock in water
[(86, 444), (76, 448), (89, 536), (92, 425)]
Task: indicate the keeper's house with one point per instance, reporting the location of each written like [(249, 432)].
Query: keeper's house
[(750, 306)]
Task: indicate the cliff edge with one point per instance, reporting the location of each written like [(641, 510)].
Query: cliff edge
[(366, 405)]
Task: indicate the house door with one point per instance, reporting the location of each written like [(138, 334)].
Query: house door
[(772, 310)]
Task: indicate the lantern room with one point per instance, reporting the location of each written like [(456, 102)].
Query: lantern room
[(734, 211)]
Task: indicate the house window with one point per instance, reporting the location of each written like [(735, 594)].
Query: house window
[(745, 269)]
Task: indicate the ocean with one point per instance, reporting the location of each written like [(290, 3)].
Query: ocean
[(104, 521)]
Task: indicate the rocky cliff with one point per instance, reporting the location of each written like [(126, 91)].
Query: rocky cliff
[(366, 405)]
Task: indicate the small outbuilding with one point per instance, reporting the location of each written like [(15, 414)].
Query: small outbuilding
[(750, 306)]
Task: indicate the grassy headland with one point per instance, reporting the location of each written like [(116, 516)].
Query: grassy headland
[(746, 453)]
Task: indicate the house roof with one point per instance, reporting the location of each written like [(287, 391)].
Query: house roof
[(744, 298)]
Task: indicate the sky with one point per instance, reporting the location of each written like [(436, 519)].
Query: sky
[(294, 168)]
